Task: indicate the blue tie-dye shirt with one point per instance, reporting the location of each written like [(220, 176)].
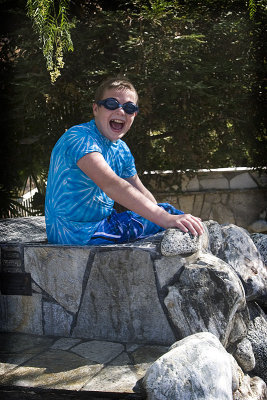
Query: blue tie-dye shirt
[(74, 203)]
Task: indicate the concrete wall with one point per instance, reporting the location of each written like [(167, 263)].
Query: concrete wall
[(228, 195)]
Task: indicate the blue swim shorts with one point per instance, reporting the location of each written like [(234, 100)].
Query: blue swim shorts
[(127, 226)]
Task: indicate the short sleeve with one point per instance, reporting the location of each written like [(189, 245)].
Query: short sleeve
[(129, 169), (79, 143)]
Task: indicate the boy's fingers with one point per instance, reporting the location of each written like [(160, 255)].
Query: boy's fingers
[(193, 224)]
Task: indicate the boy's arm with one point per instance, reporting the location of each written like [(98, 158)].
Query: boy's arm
[(124, 193), (136, 182)]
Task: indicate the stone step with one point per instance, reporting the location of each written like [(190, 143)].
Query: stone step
[(42, 367)]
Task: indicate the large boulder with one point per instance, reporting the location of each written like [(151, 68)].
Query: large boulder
[(206, 296), (199, 368)]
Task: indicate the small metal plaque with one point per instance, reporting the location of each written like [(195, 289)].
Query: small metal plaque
[(15, 283), (11, 258)]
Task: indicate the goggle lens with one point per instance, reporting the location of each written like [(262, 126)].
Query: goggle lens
[(113, 104)]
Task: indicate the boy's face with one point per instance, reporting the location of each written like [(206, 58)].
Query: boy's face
[(114, 124)]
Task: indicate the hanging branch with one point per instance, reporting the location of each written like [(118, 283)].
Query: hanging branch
[(252, 7), (51, 22)]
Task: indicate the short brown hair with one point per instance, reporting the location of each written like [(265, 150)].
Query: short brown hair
[(120, 83)]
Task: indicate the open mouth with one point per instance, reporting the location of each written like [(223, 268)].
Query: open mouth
[(116, 124)]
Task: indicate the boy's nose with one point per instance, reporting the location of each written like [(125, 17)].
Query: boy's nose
[(120, 110)]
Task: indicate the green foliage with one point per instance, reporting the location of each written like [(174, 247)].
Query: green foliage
[(199, 69), (50, 20)]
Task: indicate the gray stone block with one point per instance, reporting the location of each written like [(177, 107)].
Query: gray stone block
[(167, 268), (243, 181), (59, 271), (118, 376), (55, 369), (121, 300)]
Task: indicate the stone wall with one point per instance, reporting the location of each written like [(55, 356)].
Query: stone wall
[(229, 195)]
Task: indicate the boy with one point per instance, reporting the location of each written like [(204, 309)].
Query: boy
[(91, 167)]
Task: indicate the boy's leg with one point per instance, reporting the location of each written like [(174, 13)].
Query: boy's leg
[(117, 228), (149, 228), (127, 226)]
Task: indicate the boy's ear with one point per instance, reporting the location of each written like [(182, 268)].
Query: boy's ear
[(95, 106)]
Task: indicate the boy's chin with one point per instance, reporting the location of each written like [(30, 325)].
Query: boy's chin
[(114, 135)]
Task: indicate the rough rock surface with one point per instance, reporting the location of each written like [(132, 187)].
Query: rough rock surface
[(27, 229), (215, 236), (206, 297), (245, 356), (251, 388), (199, 368), (260, 241), (257, 335), (237, 249), (176, 242)]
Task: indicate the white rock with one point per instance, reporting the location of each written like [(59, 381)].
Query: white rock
[(196, 368)]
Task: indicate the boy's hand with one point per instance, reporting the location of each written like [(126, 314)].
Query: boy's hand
[(186, 222)]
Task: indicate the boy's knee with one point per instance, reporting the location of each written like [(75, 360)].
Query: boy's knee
[(170, 209)]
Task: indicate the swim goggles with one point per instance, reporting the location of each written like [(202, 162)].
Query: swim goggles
[(112, 104)]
